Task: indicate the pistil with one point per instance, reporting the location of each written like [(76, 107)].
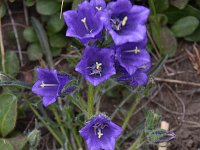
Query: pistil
[(85, 23), (43, 84)]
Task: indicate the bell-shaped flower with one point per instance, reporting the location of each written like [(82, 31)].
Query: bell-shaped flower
[(133, 55), (83, 23), (101, 133), (125, 22), (49, 85), (96, 65), (138, 78), (99, 5)]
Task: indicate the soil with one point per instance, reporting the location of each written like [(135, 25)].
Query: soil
[(179, 104)]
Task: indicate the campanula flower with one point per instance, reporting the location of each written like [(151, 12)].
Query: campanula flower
[(125, 22), (99, 5), (133, 55), (50, 85), (140, 76), (101, 133), (96, 65), (83, 23)]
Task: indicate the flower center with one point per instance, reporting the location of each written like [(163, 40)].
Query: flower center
[(98, 129), (96, 69), (84, 21), (117, 23), (136, 50), (43, 84), (98, 8)]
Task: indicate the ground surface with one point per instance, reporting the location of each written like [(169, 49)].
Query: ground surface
[(179, 104)]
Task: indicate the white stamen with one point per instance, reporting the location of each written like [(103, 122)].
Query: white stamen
[(85, 24), (124, 21), (43, 84), (98, 8)]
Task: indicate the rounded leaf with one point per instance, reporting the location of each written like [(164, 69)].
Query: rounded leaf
[(58, 40), (5, 145), (8, 115), (30, 35), (195, 36), (185, 26), (47, 7), (55, 24), (34, 52)]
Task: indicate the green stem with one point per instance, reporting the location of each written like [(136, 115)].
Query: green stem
[(59, 121), (138, 143), (122, 104), (90, 108), (131, 111), (46, 125)]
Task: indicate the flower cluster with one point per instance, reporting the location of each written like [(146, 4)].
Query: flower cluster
[(125, 24)]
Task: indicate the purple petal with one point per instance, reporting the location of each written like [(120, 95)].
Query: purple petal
[(131, 60), (63, 80), (45, 91), (90, 57), (46, 75), (48, 100), (139, 13), (139, 78)]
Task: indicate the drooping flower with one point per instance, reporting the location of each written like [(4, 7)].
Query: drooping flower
[(139, 77), (83, 23), (50, 85), (101, 133), (96, 65), (99, 5), (125, 22), (133, 55)]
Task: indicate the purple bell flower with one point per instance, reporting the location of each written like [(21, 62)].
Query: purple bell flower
[(99, 5), (125, 22), (83, 23), (140, 76), (133, 55), (101, 133), (96, 65), (50, 85)]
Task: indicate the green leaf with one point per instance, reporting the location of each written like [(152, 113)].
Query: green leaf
[(161, 5), (185, 26), (30, 35), (18, 142), (10, 58), (55, 24), (41, 34), (168, 42), (179, 3), (47, 7), (58, 40), (195, 36), (30, 3), (34, 52), (56, 51), (8, 115), (5, 145), (175, 14)]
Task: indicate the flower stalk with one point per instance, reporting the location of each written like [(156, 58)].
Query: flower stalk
[(131, 111), (90, 108), (58, 139)]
